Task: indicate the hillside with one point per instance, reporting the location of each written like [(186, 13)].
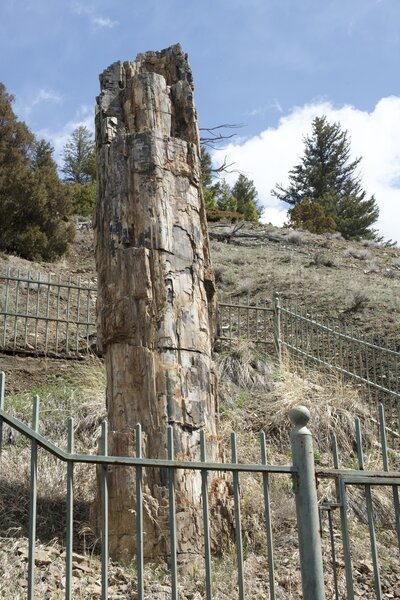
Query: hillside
[(321, 274), (353, 283)]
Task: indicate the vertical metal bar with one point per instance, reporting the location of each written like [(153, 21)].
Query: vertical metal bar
[(347, 358), (68, 315), (33, 502), (332, 539), (87, 319), (277, 325), (257, 315), (206, 518), (291, 330), (104, 514), (58, 311), (265, 324), (329, 359), (230, 322), (27, 309), (248, 318), (312, 574), (139, 515), (78, 311), (353, 353), (370, 512), (46, 337), (342, 501), (374, 363), (2, 387), (37, 309), (367, 371), (385, 461), (301, 324), (238, 523), (16, 308), (317, 331), (6, 305), (268, 524), (70, 511), (172, 513), (295, 341), (323, 353), (238, 317)]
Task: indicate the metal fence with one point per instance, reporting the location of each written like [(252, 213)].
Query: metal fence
[(252, 320), (46, 315), (375, 365), (328, 565)]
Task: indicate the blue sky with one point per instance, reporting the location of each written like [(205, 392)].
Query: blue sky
[(270, 65)]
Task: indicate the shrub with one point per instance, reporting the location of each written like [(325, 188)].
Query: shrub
[(295, 237), (215, 214), (358, 254), (311, 216)]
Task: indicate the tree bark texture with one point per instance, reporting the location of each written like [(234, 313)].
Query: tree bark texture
[(156, 303)]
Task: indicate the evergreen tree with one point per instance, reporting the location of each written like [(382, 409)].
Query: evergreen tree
[(223, 197), (79, 164), (247, 198), (206, 178), (80, 170), (327, 175), (311, 216), (33, 201)]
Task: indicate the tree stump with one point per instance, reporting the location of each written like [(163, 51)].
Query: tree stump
[(156, 300)]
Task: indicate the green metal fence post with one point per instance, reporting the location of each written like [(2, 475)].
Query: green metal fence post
[(276, 302), (306, 506)]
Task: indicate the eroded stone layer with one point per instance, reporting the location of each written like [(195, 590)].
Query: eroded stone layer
[(156, 306)]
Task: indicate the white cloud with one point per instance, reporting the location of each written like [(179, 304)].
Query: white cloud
[(104, 22), (268, 157), (47, 96), (83, 116), (90, 12)]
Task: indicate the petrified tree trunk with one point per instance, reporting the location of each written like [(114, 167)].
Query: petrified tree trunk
[(156, 305)]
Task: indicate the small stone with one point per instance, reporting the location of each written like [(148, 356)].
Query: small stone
[(94, 589), (82, 567)]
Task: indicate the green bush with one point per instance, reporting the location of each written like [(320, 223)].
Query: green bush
[(215, 214)]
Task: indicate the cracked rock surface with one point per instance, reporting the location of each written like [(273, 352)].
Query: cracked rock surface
[(156, 304)]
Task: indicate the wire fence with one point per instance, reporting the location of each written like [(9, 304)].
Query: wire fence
[(46, 315), (314, 344)]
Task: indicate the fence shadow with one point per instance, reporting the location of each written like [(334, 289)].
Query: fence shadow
[(51, 517)]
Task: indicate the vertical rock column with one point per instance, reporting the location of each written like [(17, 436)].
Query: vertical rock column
[(156, 305)]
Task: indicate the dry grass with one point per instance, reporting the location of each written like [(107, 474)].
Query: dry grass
[(244, 367), (79, 392)]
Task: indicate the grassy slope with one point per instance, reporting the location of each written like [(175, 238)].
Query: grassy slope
[(296, 268)]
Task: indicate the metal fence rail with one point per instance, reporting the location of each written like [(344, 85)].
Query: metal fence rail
[(341, 350), (46, 315), (250, 320), (318, 582)]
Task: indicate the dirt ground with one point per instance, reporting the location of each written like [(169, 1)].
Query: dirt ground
[(26, 373)]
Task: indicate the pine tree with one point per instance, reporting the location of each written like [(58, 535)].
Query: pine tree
[(223, 197), (206, 178), (79, 164), (80, 170), (34, 204), (328, 176), (247, 198)]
